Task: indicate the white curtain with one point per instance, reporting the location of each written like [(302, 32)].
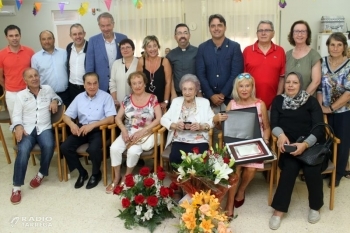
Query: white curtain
[(159, 18), (156, 17), (242, 17)]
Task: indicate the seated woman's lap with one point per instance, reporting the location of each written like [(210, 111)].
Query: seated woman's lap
[(175, 155)]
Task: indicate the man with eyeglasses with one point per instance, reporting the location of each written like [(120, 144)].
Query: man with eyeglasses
[(103, 49), (218, 62), (266, 62), (76, 59), (182, 58)]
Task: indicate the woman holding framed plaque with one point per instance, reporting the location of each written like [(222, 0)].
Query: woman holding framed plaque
[(244, 97)]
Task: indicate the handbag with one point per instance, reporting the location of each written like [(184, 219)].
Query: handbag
[(317, 153)]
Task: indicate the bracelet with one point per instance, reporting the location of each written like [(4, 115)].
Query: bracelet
[(330, 107), (307, 144)]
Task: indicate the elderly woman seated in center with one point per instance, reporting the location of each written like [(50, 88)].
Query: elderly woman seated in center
[(188, 120)]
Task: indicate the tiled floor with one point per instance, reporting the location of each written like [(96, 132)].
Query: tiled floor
[(58, 207)]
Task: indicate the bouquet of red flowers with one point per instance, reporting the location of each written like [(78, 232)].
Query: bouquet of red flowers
[(145, 200)]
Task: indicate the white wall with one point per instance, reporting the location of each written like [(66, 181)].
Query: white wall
[(31, 26)]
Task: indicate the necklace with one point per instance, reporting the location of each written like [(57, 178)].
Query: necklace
[(151, 74), (188, 110), (335, 63)]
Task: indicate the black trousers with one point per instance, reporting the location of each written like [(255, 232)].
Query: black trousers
[(64, 96), (74, 90), (290, 167), (175, 155), (341, 127), (71, 144)]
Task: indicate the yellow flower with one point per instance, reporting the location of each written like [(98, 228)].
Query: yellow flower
[(205, 209), (206, 225), (189, 220)]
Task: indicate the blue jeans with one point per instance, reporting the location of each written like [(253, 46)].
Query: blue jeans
[(46, 143)]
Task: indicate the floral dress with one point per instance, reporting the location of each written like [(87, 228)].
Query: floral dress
[(257, 104), (138, 117)]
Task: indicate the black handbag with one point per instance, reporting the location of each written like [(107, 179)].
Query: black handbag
[(317, 153)]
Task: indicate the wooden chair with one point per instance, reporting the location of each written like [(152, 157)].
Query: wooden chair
[(82, 152), (269, 167), (4, 118), (331, 169), (165, 152), (56, 119), (151, 154)]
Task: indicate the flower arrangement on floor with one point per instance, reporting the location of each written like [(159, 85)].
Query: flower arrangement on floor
[(145, 200), (202, 214), (212, 170)]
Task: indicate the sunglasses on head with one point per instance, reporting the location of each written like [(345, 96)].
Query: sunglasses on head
[(247, 76)]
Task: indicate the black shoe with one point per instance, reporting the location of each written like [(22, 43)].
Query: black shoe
[(141, 163), (337, 182), (93, 181), (80, 180)]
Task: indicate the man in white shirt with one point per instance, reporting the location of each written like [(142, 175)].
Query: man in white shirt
[(31, 121), (76, 58)]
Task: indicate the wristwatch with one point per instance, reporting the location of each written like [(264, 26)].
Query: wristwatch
[(206, 127), (166, 101)]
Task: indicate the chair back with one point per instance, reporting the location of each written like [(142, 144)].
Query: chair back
[(241, 124), (58, 116)]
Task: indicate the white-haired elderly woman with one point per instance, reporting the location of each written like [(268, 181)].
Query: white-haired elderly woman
[(188, 120)]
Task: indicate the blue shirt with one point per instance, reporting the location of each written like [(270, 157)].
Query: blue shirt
[(52, 68), (216, 68), (89, 110)]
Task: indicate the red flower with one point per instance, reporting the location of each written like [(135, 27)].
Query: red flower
[(144, 171), (174, 186), (171, 192), (125, 202), (226, 160), (152, 201), (164, 192), (129, 181), (160, 169), (139, 199), (148, 182), (118, 190), (195, 150), (161, 175)]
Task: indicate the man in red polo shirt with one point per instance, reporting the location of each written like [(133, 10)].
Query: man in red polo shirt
[(265, 61), (14, 59)]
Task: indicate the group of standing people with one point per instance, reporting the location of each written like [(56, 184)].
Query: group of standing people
[(199, 83)]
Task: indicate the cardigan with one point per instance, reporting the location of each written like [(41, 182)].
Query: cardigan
[(205, 115)]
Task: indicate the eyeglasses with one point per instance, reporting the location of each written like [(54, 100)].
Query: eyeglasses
[(297, 32), (182, 33), (125, 48), (247, 76), (264, 31)]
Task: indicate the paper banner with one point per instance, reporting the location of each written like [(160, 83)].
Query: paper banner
[(61, 6), (108, 4), (19, 3), (138, 4), (1, 4), (83, 8), (37, 6), (282, 3)]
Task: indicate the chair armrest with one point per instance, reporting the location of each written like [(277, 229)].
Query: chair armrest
[(112, 126), (162, 130), (62, 124), (103, 127), (156, 128), (220, 140)]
